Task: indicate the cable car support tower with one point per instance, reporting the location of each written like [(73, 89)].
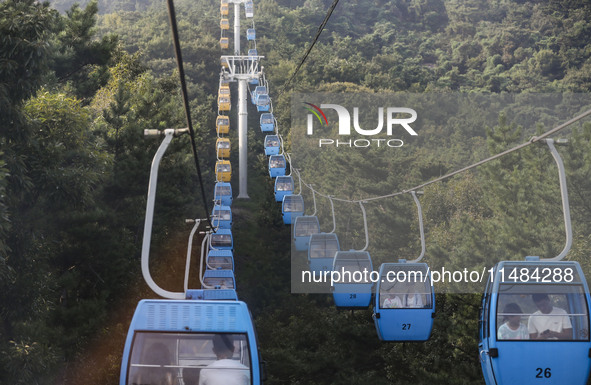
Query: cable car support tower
[(241, 69)]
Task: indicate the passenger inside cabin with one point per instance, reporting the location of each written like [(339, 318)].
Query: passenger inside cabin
[(391, 301), (413, 298), (512, 329), (393, 298), (224, 371), (549, 322), (155, 371)]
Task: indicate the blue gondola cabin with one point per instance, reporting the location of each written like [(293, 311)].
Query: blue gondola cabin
[(277, 165), (303, 228), (322, 250), (221, 217), (404, 305), (271, 145), (223, 193), (220, 260), (534, 324), (263, 103), (291, 208), (173, 342), (283, 186), (222, 240), (353, 289), (251, 34)]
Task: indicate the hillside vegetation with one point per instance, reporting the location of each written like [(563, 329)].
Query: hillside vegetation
[(78, 86)]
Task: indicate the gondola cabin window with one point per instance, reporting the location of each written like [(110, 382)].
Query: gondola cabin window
[(162, 358)]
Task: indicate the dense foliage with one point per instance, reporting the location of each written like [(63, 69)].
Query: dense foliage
[(77, 88)]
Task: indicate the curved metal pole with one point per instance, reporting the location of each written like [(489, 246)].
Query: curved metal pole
[(314, 199), (207, 239), (334, 223), (288, 160), (203, 253), (365, 226), (215, 221), (422, 231), (299, 180), (189, 251), (168, 134), (565, 206), (209, 246), (282, 144)]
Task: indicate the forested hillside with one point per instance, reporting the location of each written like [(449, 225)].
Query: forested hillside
[(78, 86)]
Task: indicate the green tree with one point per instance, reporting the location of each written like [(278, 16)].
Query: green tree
[(78, 59)]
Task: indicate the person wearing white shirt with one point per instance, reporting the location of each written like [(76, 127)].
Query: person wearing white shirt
[(414, 300), (224, 371), (392, 301), (549, 322), (512, 329)]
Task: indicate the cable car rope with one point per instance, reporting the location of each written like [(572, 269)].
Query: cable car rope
[(179, 60), (320, 29), (497, 156)]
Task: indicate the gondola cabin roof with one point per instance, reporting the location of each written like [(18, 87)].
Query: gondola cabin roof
[(191, 315), (352, 259), (306, 226), (220, 260), (284, 183), (272, 141), (293, 203), (219, 279)]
